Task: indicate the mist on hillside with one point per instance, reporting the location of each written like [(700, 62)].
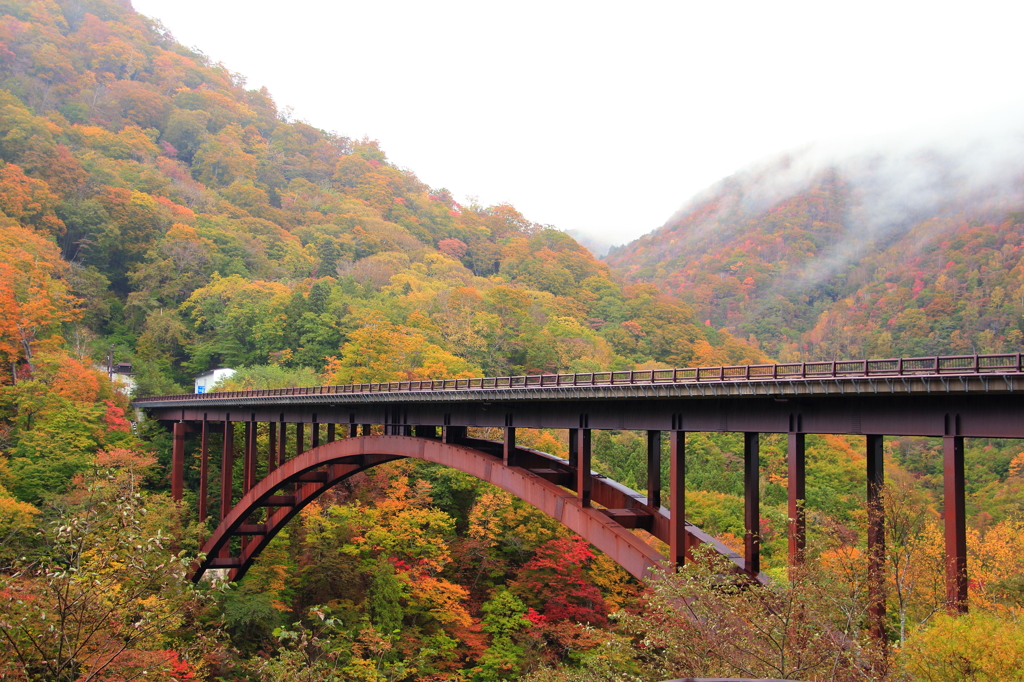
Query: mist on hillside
[(894, 182)]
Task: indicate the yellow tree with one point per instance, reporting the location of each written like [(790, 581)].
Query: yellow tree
[(382, 351), (34, 299)]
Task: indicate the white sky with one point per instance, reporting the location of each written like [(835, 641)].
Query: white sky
[(606, 117)]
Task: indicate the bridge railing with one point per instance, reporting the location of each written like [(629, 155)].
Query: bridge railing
[(1005, 363)]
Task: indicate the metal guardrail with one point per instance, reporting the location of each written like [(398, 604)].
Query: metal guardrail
[(961, 365)]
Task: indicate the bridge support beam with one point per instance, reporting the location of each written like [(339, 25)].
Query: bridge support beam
[(797, 475), (574, 445), (752, 502), (451, 435), (178, 461), (227, 465), (956, 533), (300, 437), (677, 545), (876, 535), (509, 447), (282, 443), (583, 477), (271, 447), (227, 469), (204, 470), (249, 458), (654, 468)]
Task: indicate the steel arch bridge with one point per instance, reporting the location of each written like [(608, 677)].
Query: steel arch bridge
[(535, 478), (948, 397)]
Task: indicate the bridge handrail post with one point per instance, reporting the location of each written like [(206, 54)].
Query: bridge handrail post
[(977, 364), (803, 370)]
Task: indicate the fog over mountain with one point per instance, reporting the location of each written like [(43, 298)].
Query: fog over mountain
[(814, 226)]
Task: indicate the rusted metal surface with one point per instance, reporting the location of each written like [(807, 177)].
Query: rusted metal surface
[(654, 468), (343, 458), (752, 502), (677, 535), (959, 365), (204, 470), (227, 464), (584, 476), (876, 534), (955, 522), (271, 446), (796, 461), (509, 446), (178, 461), (249, 458)]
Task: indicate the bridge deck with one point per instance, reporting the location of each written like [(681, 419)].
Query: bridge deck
[(1003, 373)]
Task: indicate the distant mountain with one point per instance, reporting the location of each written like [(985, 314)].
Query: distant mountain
[(915, 251)]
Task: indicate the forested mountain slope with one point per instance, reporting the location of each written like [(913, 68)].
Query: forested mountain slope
[(892, 253), (198, 227)]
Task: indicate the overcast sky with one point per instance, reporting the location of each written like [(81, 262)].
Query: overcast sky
[(606, 117)]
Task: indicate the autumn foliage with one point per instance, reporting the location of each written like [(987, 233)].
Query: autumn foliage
[(155, 211)]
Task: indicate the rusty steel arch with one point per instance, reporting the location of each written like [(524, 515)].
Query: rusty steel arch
[(535, 480)]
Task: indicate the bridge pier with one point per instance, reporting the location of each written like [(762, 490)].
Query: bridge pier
[(584, 480), (797, 485), (654, 469), (249, 457), (956, 531), (227, 463), (752, 502), (677, 545), (271, 447), (509, 446), (178, 460), (227, 467), (204, 469), (876, 534)]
